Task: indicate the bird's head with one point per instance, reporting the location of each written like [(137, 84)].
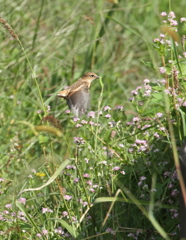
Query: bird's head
[(90, 76)]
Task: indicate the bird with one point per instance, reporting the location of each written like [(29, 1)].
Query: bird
[(78, 95)]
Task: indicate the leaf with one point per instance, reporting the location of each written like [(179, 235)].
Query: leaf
[(54, 176), (64, 224)]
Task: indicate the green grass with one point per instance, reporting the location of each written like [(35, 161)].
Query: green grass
[(107, 184)]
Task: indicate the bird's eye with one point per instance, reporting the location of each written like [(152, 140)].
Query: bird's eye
[(92, 75)]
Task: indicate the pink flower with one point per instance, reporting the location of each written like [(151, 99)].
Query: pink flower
[(67, 197), (163, 14), (146, 81), (76, 119), (22, 200), (45, 232), (183, 19), (65, 213), (106, 108), (172, 14), (116, 168), (86, 175), (108, 116), (76, 180), (162, 70), (8, 206), (159, 115), (91, 114)]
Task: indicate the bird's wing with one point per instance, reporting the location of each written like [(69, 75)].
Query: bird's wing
[(79, 101)]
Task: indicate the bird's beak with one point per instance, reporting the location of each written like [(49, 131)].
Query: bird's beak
[(98, 76)]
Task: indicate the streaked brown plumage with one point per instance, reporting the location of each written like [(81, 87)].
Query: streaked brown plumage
[(77, 95)]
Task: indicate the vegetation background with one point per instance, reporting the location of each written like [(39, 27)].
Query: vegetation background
[(61, 40)]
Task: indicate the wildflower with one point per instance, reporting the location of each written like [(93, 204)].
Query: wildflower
[(83, 122), (167, 92), (67, 111), (110, 230), (108, 116), (163, 14), (78, 125), (156, 40), (173, 22), (67, 197), (130, 150), (86, 160), (142, 149), (175, 175), (134, 92), (76, 180), (162, 70), (159, 115), (45, 210), (22, 200), (8, 206), (131, 99), (1, 180), (65, 213), (139, 183), (170, 185), (74, 219), (143, 178), (156, 135), (106, 108), (153, 190), (146, 126), (103, 162), (39, 111), (89, 183), (136, 119), (138, 88), (183, 19), (171, 15), (147, 93), (85, 204), (45, 232), (48, 108), (38, 235), (91, 114), (79, 140), (91, 123), (71, 167), (138, 141), (174, 193), (184, 54), (145, 186), (163, 81), (59, 230), (119, 108), (86, 175), (91, 190), (115, 168), (112, 123), (162, 35), (146, 81), (167, 174), (76, 119)]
